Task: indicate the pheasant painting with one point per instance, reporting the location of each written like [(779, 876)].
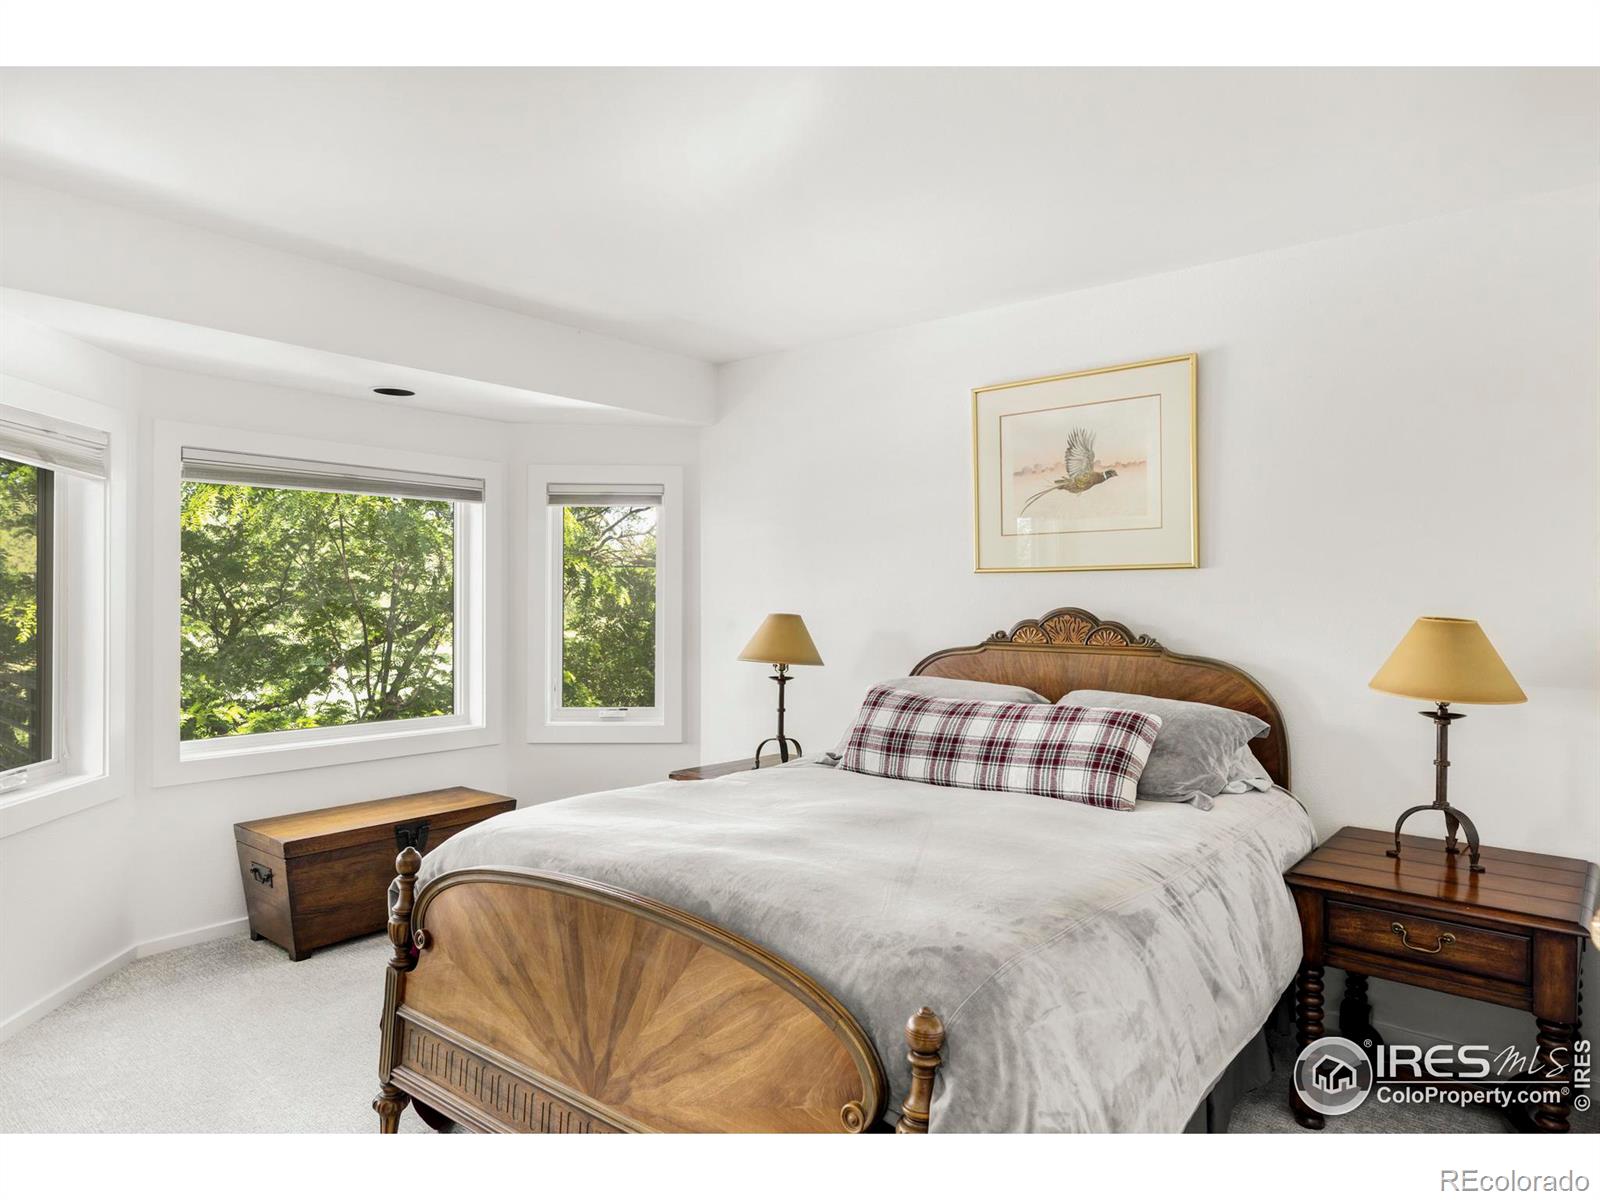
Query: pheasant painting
[(1080, 474)]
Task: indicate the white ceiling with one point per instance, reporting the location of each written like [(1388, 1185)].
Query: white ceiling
[(727, 212)]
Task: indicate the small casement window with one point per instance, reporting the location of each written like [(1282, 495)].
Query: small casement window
[(27, 615), (606, 653), (611, 645), (319, 596), (52, 564)]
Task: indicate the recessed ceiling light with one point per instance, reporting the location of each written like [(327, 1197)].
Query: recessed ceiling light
[(393, 392)]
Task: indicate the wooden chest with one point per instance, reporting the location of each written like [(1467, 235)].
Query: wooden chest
[(315, 878)]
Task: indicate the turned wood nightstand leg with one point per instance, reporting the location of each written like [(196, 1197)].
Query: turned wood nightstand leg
[(1554, 1059), (1308, 1028), (1557, 989)]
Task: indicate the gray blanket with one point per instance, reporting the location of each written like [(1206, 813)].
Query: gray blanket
[(1096, 970)]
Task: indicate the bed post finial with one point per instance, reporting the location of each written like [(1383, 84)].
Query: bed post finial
[(405, 886), (924, 1038)]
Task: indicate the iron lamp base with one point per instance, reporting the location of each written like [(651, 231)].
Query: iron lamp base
[(1454, 819), (781, 678)]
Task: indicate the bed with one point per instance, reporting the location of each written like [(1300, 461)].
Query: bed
[(808, 949)]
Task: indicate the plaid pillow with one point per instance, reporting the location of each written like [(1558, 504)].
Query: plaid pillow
[(1091, 755)]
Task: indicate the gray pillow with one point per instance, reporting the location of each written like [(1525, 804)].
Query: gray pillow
[(953, 689), (1196, 751)]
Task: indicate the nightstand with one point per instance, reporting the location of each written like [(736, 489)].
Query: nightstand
[(716, 770), (1513, 935)]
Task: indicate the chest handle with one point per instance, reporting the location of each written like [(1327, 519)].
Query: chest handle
[(261, 874), (1444, 940)]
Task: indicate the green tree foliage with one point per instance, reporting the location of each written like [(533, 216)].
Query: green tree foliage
[(608, 580), (304, 609), (21, 719)]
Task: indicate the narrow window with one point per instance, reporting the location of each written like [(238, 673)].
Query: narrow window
[(54, 614), (27, 614), (610, 660), (606, 648)]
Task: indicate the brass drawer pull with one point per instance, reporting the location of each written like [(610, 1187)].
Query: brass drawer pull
[(1444, 940)]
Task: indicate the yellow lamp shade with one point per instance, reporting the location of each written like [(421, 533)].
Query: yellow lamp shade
[(1448, 660), (782, 638)]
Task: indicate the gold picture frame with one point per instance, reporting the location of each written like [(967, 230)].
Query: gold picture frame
[(1125, 494)]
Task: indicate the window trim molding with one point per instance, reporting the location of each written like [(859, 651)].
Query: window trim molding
[(478, 598), (543, 610), (77, 783)]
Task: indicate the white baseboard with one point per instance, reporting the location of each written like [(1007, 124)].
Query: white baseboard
[(61, 995), (176, 941), (192, 937)]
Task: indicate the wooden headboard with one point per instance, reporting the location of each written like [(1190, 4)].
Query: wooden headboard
[(1069, 648)]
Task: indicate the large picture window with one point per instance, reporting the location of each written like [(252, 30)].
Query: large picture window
[(306, 609), (608, 559), (27, 614), (324, 612)]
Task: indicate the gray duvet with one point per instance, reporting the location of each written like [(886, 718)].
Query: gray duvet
[(1096, 970)]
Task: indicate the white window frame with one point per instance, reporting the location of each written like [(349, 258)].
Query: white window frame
[(547, 720), (92, 531), (478, 620)]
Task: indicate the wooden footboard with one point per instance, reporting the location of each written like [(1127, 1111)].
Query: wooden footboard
[(532, 1002)]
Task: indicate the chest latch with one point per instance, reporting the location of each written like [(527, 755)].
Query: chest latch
[(414, 835)]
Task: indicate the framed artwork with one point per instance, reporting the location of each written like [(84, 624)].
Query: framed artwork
[(1088, 471)]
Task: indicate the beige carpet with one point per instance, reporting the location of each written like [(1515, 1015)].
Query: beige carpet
[(231, 1037), (225, 1037)]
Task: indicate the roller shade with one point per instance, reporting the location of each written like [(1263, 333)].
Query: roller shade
[(606, 495), (43, 441), (201, 465)]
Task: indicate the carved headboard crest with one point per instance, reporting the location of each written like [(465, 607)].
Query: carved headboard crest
[(1073, 627), (1069, 649)]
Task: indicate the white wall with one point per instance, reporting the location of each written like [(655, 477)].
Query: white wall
[(156, 867), (1391, 424), (65, 911)]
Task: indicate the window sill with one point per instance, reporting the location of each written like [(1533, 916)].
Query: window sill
[(202, 762), (29, 807)]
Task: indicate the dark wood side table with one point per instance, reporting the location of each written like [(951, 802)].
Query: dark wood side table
[(717, 770), (1513, 935)]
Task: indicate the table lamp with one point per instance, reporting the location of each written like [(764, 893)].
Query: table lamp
[(1449, 661), (783, 641)]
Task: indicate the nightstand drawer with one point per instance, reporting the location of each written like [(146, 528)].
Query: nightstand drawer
[(1412, 938)]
